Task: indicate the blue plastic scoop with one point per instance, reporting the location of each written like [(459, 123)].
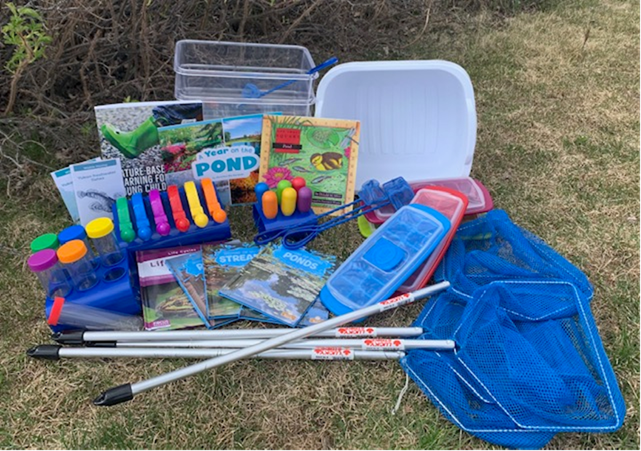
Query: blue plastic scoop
[(251, 91)]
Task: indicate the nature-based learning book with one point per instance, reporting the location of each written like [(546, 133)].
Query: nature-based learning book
[(129, 131), (226, 150), (164, 303), (322, 151), (190, 274), (223, 263), (281, 283), (96, 185), (64, 183)]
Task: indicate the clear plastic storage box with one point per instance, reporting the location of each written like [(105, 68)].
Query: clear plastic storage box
[(452, 205), (218, 72), (479, 198)]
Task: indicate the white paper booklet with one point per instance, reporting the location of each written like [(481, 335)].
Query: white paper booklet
[(97, 185), (64, 183)]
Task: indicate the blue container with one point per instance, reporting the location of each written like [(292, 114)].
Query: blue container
[(385, 260)]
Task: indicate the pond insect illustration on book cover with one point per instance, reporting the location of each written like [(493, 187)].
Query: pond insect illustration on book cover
[(164, 303), (322, 151)]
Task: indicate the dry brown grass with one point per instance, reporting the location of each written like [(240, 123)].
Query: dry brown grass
[(558, 149), (108, 51)]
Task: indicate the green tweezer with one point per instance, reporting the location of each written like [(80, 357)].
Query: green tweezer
[(127, 233)]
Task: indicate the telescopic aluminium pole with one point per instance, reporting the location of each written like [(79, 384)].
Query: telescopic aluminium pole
[(126, 392), (81, 337), (57, 352), (365, 344)]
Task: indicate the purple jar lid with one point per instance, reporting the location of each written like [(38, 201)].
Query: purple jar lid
[(42, 260)]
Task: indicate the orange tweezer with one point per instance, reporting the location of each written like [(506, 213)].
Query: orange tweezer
[(213, 206)]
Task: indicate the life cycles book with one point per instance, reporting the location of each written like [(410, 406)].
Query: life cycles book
[(165, 305)]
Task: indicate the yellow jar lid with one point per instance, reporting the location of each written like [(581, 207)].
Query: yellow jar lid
[(99, 227), (72, 251)]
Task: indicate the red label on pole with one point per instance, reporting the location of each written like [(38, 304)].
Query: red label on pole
[(332, 353), (355, 332), (396, 301), (394, 344)]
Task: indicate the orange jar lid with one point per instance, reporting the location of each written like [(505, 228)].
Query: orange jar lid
[(72, 251)]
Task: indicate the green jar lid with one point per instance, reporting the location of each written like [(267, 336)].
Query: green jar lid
[(46, 241)]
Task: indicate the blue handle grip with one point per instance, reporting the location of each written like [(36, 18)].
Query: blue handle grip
[(333, 60), (140, 214)]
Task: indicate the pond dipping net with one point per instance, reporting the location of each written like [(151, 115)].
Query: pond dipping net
[(529, 360)]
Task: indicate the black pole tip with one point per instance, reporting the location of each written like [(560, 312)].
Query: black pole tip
[(115, 395), (69, 337), (48, 352)]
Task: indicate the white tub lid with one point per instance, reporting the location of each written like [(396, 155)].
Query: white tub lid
[(418, 118)]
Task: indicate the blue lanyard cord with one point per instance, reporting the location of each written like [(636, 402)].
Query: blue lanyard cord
[(271, 235), (311, 229), (299, 236)]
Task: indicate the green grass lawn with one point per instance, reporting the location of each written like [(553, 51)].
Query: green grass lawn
[(558, 147)]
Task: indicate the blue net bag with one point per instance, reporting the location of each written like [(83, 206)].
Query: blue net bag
[(529, 362), (493, 248)]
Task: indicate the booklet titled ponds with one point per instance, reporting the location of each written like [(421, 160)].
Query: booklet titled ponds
[(281, 283)]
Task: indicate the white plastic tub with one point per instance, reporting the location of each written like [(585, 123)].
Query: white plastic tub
[(216, 73), (418, 118)]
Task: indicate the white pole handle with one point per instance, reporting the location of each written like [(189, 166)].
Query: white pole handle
[(56, 352), (82, 337), (366, 344)]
